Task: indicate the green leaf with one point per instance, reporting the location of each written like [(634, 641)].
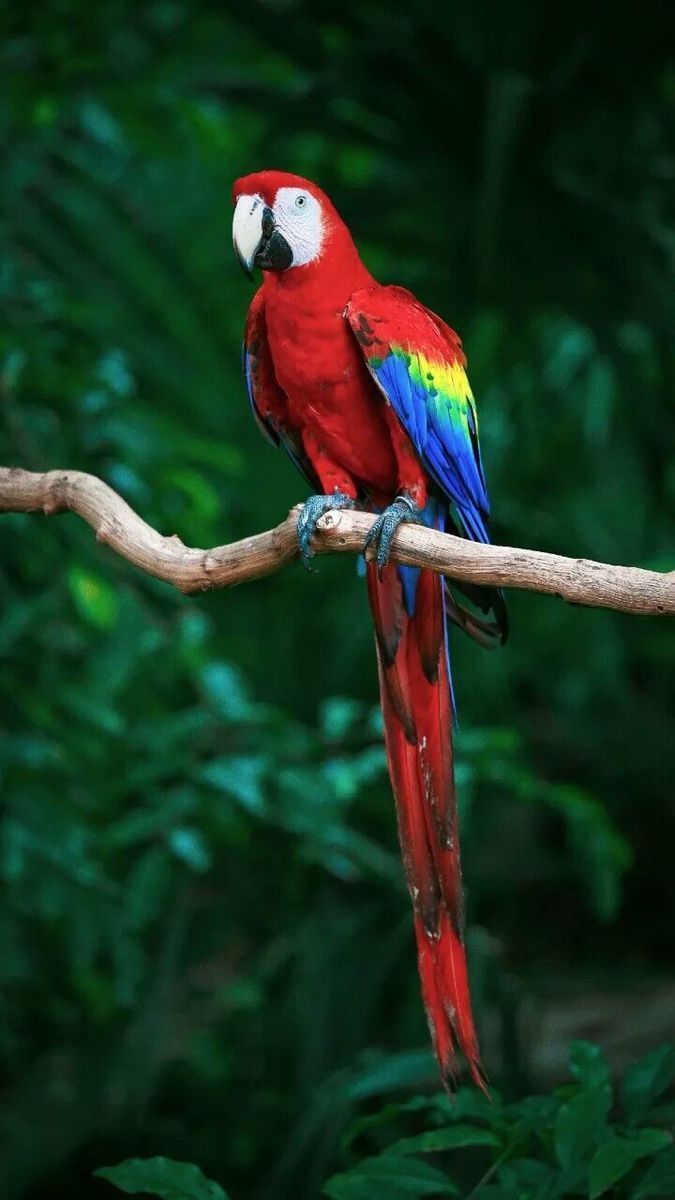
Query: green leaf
[(188, 844), (527, 1177), (646, 1080), (589, 1065), (531, 1114), (202, 495), (407, 1068), (225, 688), (470, 1104), (579, 1124), (616, 1157), (146, 886), (399, 1176), (383, 1117), (162, 1177), (659, 1179), (451, 1138), (338, 715), (94, 599), (145, 824), (239, 776)]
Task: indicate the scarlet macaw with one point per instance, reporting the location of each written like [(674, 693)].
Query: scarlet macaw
[(367, 391)]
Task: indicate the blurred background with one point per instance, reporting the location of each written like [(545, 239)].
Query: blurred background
[(206, 942)]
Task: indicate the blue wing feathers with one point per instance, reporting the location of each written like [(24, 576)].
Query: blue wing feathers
[(446, 451), (417, 362)]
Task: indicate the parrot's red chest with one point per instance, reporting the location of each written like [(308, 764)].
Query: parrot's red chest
[(330, 393)]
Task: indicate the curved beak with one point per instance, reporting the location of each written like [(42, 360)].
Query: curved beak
[(256, 240), (247, 230)]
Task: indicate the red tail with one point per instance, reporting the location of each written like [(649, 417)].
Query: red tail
[(417, 709)]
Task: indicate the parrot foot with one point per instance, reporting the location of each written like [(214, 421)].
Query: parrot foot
[(312, 510), (381, 534)]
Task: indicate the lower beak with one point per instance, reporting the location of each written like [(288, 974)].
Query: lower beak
[(256, 240)]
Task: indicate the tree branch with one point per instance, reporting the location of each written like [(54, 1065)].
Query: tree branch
[(579, 581)]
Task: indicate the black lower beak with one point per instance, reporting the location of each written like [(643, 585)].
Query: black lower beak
[(274, 252)]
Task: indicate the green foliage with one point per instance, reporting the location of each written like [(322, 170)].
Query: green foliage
[(575, 1142), (206, 943), (162, 1177), (646, 1080)]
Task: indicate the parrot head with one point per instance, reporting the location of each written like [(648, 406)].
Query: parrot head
[(281, 221)]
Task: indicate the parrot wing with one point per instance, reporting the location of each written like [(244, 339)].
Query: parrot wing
[(417, 363), (269, 403)]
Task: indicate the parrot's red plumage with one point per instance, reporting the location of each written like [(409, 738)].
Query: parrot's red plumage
[(366, 390)]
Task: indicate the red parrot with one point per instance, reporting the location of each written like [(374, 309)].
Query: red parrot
[(367, 391)]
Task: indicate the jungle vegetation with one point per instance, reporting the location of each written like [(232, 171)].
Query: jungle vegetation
[(207, 952)]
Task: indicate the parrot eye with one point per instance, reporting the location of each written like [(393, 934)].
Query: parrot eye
[(300, 201)]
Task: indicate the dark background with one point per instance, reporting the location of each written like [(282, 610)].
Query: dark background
[(206, 944)]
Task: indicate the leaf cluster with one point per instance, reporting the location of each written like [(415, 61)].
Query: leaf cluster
[(582, 1140)]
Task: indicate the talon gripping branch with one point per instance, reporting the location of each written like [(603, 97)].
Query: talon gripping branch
[(367, 391)]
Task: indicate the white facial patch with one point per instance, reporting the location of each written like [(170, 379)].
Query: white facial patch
[(298, 216)]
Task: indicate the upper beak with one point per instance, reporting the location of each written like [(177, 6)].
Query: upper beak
[(256, 240), (247, 230)]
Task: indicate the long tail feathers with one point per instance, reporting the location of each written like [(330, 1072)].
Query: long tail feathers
[(417, 708)]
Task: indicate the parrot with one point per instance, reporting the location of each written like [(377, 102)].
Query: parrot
[(367, 392)]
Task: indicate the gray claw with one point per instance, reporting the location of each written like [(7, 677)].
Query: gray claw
[(312, 510), (381, 533)]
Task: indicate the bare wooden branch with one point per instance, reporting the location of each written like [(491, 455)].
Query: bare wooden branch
[(579, 581)]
